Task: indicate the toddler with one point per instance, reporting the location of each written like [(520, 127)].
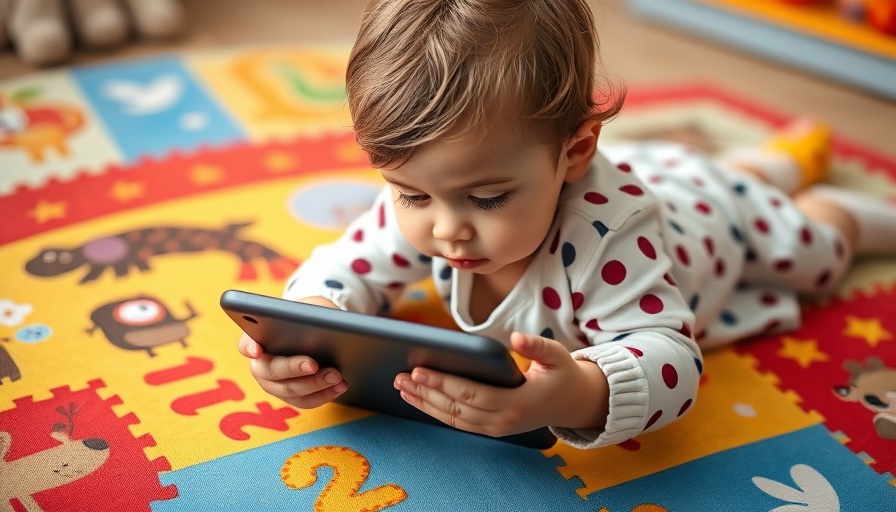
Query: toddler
[(608, 270)]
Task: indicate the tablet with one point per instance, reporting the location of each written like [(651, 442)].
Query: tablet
[(370, 351)]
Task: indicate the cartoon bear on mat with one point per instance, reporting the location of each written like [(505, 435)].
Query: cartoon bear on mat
[(874, 386)]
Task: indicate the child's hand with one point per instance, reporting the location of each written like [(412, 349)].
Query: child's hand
[(559, 391), (296, 380)]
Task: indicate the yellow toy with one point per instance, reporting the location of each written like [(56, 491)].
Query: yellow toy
[(809, 144)]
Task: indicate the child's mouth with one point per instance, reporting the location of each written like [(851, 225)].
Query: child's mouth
[(466, 264)]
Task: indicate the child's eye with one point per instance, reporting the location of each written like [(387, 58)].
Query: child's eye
[(491, 203), (409, 201)]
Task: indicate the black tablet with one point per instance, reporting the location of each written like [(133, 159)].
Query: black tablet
[(370, 351)]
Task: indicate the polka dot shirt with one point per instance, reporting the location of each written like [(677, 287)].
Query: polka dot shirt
[(644, 254)]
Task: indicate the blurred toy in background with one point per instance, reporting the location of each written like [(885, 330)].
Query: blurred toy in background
[(853, 10), (880, 14), (45, 31)]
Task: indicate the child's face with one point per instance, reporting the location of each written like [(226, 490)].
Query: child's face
[(485, 205)]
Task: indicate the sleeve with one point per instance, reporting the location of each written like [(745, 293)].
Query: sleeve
[(364, 270), (640, 332)]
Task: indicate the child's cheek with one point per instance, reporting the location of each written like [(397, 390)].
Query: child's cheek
[(416, 230)]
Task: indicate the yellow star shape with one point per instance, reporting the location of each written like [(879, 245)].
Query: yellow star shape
[(804, 352), (124, 191), (279, 161), (868, 329), (206, 174), (44, 211)]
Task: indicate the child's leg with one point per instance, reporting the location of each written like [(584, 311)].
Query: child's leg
[(798, 157), (867, 224), (794, 158)]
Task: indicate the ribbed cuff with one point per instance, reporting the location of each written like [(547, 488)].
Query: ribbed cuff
[(628, 399)]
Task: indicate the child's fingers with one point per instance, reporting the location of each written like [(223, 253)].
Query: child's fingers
[(318, 398), (275, 368), (451, 388), (307, 392)]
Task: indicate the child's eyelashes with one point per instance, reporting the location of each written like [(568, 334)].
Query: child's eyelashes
[(483, 203), (409, 201), (491, 203)]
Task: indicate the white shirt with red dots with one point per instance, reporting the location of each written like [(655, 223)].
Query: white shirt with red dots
[(642, 256)]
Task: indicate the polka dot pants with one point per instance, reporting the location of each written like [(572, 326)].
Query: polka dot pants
[(786, 254)]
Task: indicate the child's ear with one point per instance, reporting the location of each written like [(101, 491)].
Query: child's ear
[(580, 150)]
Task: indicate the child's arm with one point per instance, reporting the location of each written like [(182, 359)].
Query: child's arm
[(366, 269), (640, 329), (335, 277), (641, 373)]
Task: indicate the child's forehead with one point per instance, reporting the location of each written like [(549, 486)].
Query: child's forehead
[(462, 163), (501, 140), (473, 152)]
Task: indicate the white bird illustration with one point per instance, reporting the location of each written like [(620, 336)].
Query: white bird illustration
[(813, 492), (144, 99)]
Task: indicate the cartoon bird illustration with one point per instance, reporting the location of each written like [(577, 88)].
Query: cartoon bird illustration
[(145, 99)]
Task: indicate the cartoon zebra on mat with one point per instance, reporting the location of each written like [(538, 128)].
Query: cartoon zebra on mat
[(135, 248)]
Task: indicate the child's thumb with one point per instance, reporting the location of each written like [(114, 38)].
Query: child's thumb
[(249, 348), (544, 351)]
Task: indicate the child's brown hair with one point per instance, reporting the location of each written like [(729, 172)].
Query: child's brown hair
[(423, 70)]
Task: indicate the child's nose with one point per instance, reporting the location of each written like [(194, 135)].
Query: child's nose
[(451, 228)]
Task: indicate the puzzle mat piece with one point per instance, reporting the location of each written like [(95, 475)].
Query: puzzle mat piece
[(81, 414), (714, 121), (153, 106), (437, 468), (810, 363), (703, 122), (725, 481), (279, 92), (215, 382), (60, 203), (158, 105), (53, 131), (735, 406)]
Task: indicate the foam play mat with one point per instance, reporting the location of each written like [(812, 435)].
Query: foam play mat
[(134, 194)]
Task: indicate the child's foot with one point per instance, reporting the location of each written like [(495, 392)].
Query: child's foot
[(794, 158), (875, 219)]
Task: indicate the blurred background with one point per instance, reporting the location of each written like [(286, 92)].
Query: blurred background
[(638, 46)]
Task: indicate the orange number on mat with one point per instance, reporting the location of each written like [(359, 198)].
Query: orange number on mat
[(646, 507), (350, 471)]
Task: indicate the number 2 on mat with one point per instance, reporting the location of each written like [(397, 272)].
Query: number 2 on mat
[(350, 471)]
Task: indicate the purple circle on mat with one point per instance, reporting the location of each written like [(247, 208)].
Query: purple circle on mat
[(332, 204), (105, 250)]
